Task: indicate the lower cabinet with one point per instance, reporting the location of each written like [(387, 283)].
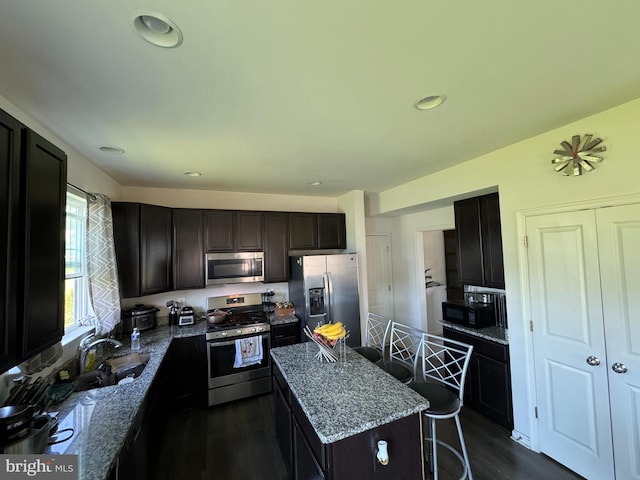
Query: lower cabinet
[(186, 374), (285, 334), (488, 387)]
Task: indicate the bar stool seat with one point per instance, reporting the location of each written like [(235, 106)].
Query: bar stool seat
[(377, 329), (404, 348), (370, 353), (442, 401)]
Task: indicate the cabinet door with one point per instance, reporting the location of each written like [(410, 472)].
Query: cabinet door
[(187, 372), (10, 142), (44, 184), (276, 247), (306, 466), (219, 230), (491, 389), (470, 261), (493, 265), (188, 249), (248, 234), (155, 249), (126, 239), (331, 231), (303, 231), (284, 426)]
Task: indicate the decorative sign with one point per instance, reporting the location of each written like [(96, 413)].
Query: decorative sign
[(578, 155)]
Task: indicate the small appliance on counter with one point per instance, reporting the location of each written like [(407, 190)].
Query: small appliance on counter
[(142, 317), (173, 312), (186, 317)]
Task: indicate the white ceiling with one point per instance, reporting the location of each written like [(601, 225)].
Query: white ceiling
[(267, 95)]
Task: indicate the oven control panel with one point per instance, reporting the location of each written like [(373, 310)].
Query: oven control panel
[(237, 332)]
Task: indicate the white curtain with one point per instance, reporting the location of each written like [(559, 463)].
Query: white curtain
[(101, 266)]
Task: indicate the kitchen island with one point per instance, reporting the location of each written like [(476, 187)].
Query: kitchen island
[(330, 416)]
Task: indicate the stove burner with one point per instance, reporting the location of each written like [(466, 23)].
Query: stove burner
[(240, 318)]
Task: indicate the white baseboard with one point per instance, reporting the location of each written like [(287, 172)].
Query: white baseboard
[(520, 438)]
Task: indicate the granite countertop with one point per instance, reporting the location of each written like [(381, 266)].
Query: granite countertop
[(343, 400), (103, 417), (275, 319), (494, 334)]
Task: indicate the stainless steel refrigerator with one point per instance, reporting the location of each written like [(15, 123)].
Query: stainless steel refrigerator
[(324, 288)]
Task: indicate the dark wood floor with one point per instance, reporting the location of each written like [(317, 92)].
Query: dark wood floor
[(236, 441)]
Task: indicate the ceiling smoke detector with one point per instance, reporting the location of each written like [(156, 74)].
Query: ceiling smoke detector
[(427, 103), (156, 29)]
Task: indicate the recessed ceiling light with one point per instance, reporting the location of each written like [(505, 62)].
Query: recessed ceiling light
[(193, 174), (427, 103), (156, 29), (111, 150), (314, 184)]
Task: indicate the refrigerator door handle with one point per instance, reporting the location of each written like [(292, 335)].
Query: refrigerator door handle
[(328, 288)]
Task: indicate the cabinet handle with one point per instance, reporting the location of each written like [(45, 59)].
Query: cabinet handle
[(619, 367), (593, 361)]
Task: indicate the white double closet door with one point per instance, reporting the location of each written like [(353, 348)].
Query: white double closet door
[(584, 275)]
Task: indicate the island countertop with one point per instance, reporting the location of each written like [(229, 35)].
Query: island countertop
[(344, 400)]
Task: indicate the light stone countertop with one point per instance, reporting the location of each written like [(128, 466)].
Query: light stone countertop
[(103, 417), (493, 334), (344, 400)]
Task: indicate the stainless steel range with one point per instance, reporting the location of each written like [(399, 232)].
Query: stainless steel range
[(239, 364)]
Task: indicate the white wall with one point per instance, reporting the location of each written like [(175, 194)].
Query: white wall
[(80, 172), (525, 179)]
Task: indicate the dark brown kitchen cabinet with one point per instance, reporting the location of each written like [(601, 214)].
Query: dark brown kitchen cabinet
[(480, 260), (276, 247), (285, 334), (10, 142), (233, 231), (283, 425), (488, 387), (186, 373), (42, 274), (32, 225), (455, 289), (316, 231), (142, 238), (188, 249)]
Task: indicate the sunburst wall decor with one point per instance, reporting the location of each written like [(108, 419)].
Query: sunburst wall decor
[(578, 155)]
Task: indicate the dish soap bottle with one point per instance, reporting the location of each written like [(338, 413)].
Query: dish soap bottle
[(135, 339)]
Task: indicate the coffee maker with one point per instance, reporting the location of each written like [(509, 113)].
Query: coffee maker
[(186, 317)]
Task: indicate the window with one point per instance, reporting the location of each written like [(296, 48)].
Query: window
[(76, 295)]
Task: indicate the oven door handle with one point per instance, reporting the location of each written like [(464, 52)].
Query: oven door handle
[(213, 343)]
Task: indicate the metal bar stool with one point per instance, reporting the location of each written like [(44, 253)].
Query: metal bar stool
[(404, 347), (443, 364), (377, 329)]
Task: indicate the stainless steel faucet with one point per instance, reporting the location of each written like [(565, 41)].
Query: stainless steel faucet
[(90, 342)]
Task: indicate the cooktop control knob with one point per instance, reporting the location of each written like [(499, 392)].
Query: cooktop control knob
[(224, 334), (239, 332)]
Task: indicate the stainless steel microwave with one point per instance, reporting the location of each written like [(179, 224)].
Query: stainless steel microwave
[(236, 267)]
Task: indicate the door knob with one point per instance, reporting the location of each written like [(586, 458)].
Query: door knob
[(593, 361), (619, 367)]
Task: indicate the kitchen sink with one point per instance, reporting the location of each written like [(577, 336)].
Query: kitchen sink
[(113, 371)]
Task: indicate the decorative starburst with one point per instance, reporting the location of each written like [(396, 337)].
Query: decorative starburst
[(578, 155)]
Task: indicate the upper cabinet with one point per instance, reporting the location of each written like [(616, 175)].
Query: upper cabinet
[(276, 247), (309, 231), (188, 248), (142, 238), (32, 201), (479, 236), (9, 182), (233, 231)]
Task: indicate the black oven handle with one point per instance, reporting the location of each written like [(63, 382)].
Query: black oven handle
[(214, 343)]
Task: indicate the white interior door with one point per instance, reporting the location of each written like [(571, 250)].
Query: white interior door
[(379, 275), (569, 342), (619, 245)]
